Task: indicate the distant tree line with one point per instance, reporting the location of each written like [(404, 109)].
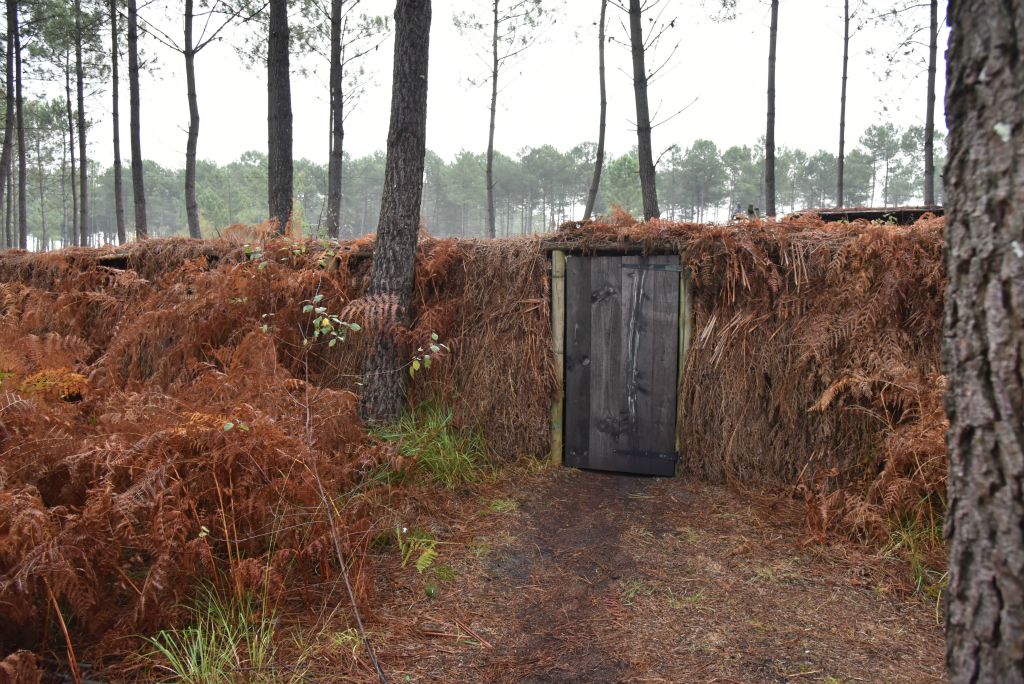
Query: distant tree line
[(534, 191)]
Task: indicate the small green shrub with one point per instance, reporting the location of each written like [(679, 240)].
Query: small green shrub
[(448, 454)]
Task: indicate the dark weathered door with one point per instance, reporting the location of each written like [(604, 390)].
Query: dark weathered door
[(621, 363)]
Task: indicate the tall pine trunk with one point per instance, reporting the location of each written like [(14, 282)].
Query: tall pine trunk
[(115, 115), (595, 182), (44, 239), (71, 142), (191, 205), (394, 255), (83, 159), (489, 173), (337, 133), (648, 179), (5, 155), (64, 242), (929, 119), (984, 341), (135, 125), (22, 152), (841, 159), (279, 117), (769, 137)]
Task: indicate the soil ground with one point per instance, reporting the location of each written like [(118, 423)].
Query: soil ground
[(570, 576)]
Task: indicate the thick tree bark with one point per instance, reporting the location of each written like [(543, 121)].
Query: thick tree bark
[(71, 142), (115, 114), (135, 125), (489, 173), (595, 182), (984, 341), (648, 183), (279, 117), (769, 137), (22, 152), (929, 119), (336, 159), (83, 159), (191, 205), (9, 221), (394, 256), (5, 155), (841, 159)]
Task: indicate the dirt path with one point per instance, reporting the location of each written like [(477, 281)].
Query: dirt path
[(584, 577)]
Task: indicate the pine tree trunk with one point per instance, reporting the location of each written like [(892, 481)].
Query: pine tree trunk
[(279, 117), (22, 152), (769, 138), (44, 240), (595, 182), (64, 192), (337, 122), (135, 125), (648, 184), (5, 155), (71, 142), (984, 341), (9, 222), (929, 119), (394, 256), (841, 159), (191, 204), (489, 173), (83, 159), (115, 114)]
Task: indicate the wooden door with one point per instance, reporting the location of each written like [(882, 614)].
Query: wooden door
[(621, 363)]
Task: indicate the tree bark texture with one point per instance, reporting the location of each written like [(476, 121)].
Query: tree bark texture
[(336, 159), (22, 152), (929, 119), (5, 155), (135, 125), (394, 256), (83, 159), (115, 114), (44, 239), (841, 159), (489, 173), (595, 182), (71, 143), (984, 341), (769, 136), (279, 117), (191, 204), (648, 184)]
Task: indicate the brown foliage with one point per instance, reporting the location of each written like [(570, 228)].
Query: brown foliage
[(814, 361), (121, 486)]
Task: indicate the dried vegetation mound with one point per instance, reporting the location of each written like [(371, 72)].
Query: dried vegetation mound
[(815, 361), (163, 422)]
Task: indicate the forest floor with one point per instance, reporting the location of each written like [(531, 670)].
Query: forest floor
[(570, 576)]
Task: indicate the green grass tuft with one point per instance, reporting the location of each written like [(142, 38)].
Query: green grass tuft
[(228, 638), (448, 454)]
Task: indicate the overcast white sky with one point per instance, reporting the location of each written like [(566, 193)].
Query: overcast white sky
[(551, 95)]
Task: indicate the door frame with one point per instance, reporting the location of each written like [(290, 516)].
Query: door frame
[(558, 323)]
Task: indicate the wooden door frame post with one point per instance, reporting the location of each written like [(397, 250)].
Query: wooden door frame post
[(685, 331), (558, 348)]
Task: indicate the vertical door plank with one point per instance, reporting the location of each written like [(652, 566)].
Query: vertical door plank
[(605, 355), (665, 356), (637, 352), (577, 362)]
